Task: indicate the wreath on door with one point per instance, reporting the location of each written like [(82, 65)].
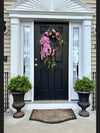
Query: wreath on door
[(48, 52)]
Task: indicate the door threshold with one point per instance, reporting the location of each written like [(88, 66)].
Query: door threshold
[(51, 104), (51, 101)]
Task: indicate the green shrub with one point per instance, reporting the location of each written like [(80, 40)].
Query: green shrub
[(84, 85), (19, 84)]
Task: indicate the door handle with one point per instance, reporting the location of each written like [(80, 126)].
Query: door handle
[(36, 65)]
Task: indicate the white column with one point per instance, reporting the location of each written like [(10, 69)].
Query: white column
[(86, 49), (86, 53), (15, 51)]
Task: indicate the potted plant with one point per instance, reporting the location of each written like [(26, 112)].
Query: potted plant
[(84, 87), (18, 86)]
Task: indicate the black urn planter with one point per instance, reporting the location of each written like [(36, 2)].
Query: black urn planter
[(83, 102), (18, 103)]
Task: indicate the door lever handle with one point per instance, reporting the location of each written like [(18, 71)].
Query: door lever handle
[(36, 65)]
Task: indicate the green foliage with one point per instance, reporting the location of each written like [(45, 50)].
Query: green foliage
[(49, 61), (19, 84), (84, 85)]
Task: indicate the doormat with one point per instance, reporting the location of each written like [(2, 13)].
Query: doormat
[(52, 115)]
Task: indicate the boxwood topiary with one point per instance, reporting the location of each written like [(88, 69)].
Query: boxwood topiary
[(84, 85), (19, 84)]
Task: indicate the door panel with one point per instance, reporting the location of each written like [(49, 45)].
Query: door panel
[(51, 85)]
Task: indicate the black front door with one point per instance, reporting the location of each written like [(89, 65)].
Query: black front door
[(51, 85)]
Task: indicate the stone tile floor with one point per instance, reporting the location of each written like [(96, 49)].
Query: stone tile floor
[(24, 125)]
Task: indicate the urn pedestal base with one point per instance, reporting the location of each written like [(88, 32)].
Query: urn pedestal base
[(18, 104), (18, 114), (83, 113), (18, 107)]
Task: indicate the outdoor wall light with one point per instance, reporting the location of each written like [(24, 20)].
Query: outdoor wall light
[(5, 58), (5, 27)]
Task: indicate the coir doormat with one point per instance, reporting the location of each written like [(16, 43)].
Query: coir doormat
[(52, 115)]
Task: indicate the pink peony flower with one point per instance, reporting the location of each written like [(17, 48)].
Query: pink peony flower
[(57, 34), (53, 30), (46, 33), (50, 34), (58, 39)]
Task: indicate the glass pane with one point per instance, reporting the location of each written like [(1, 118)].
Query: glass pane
[(27, 52), (75, 54)]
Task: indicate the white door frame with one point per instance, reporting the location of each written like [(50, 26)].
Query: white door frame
[(86, 33), (20, 12)]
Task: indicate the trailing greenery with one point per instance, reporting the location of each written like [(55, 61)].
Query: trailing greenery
[(50, 62), (19, 84), (84, 85)]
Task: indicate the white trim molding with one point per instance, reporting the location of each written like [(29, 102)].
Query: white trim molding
[(29, 11), (50, 7)]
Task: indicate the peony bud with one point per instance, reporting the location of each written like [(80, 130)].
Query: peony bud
[(57, 34)]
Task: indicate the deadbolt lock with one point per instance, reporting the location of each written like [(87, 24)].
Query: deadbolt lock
[(35, 59)]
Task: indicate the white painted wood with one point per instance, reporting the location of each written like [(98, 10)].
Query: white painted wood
[(32, 61), (50, 5), (50, 9), (52, 16), (80, 50), (15, 48), (86, 52), (70, 62)]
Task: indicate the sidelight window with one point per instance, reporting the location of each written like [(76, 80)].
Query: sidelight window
[(75, 54), (26, 50)]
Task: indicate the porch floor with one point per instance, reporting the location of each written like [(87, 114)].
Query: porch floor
[(79, 125)]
